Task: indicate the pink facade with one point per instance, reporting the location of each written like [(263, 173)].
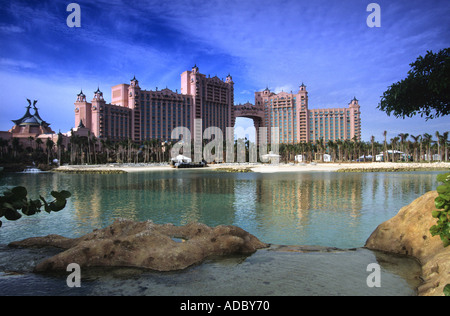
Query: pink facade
[(138, 114), (289, 112), (335, 123), (152, 114)]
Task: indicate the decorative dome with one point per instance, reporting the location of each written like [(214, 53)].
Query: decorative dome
[(28, 119)]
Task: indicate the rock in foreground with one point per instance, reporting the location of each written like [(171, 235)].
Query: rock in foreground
[(408, 233), (127, 243)]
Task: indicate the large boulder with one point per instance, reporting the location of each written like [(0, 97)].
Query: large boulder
[(408, 233), (127, 243)]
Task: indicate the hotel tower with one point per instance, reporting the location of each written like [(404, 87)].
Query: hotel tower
[(297, 123), (138, 114)]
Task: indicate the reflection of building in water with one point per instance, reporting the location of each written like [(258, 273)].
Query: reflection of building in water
[(295, 200), (97, 196), (286, 201), (282, 200), (245, 199)]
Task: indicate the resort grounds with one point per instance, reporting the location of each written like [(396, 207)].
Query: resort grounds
[(269, 167)]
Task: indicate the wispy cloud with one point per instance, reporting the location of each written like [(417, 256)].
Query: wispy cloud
[(5, 28), (17, 64)]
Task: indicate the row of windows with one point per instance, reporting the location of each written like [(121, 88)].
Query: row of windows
[(178, 97)]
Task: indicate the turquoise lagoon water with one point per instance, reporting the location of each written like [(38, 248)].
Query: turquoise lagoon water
[(316, 208)]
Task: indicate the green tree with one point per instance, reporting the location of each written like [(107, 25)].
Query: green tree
[(425, 91), (416, 140), (59, 144), (39, 142), (445, 143), (403, 139), (49, 147), (426, 140)]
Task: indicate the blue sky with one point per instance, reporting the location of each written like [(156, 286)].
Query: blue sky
[(277, 43)]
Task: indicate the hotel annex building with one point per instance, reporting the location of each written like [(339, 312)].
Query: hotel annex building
[(139, 114)]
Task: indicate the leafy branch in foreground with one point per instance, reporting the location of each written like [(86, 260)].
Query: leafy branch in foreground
[(442, 203), (15, 200)]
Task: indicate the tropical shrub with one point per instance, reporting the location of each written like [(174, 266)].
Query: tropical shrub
[(442, 214)]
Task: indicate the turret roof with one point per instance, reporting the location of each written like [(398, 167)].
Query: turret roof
[(28, 119)]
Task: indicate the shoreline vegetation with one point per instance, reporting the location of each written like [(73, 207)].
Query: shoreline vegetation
[(263, 168)]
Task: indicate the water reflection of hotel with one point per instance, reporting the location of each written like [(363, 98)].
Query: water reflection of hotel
[(295, 200), (277, 201)]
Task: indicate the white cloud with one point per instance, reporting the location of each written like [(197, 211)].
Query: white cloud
[(7, 62), (7, 28)]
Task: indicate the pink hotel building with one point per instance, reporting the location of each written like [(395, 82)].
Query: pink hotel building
[(139, 114)]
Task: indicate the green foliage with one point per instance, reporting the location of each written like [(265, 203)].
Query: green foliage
[(442, 214), (16, 200), (447, 290), (425, 91)]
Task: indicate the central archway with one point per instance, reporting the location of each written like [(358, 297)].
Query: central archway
[(250, 111)]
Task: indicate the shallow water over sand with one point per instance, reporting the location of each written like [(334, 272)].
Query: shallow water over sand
[(264, 273)]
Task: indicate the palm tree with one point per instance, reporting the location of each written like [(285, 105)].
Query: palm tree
[(416, 140), (444, 143), (403, 137), (356, 148), (39, 142), (339, 144), (347, 149), (94, 141), (3, 145), (427, 139), (332, 149), (15, 146), (372, 141), (49, 146), (75, 148), (59, 144), (320, 147), (31, 138), (385, 153), (394, 146), (438, 142)]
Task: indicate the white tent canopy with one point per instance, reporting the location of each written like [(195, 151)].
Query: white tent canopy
[(181, 158), (270, 156)]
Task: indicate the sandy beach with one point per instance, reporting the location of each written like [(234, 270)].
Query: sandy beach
[(267, 168)]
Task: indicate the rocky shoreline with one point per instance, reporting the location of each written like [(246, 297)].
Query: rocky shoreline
[(408, 233)]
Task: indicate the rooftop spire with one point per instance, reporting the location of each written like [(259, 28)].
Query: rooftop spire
[(29, 119)]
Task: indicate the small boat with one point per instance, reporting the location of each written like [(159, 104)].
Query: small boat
[(181, 161), (189, 165), (32, 170)]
